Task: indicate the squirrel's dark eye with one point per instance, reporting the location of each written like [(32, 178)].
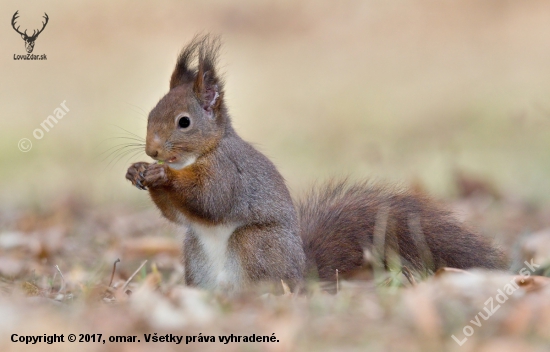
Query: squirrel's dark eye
[(184, 122)]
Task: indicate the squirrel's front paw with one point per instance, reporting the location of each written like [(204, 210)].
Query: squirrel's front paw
[(156, 175), (136, 175)]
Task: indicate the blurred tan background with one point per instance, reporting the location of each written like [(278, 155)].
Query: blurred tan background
[(400, 91)]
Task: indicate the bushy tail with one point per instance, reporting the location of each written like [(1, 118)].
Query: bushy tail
[(339, 221)]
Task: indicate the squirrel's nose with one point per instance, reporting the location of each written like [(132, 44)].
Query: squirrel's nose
[(153, 153), (153, 146)]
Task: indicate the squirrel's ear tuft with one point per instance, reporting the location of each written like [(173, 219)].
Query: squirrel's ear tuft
[(184, 73), (208, 86)]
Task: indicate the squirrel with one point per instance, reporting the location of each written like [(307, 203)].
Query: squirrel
[(242, 227)]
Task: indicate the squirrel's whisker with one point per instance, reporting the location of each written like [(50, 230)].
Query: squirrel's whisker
[(141, 140), (123, 145), (130, 133), (123, 153), (113, 151)]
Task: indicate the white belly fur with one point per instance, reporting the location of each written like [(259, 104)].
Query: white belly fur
[(224, 271)]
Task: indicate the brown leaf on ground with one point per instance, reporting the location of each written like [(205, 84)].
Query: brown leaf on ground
[(151, 245), (532, 283)]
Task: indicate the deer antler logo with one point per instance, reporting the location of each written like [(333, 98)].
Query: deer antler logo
[(29, 40)]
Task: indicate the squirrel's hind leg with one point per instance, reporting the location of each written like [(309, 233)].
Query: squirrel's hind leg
[(269, 254)]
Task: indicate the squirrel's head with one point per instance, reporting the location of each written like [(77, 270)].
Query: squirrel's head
[(191, 118)]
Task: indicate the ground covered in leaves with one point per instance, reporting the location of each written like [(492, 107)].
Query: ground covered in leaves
[(58, 277)]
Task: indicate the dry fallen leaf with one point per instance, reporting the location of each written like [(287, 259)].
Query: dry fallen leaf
[(532, 283), (151, 245), (447, 270)]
